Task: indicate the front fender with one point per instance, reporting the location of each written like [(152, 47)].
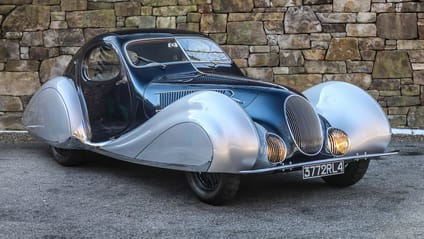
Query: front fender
[(353, 110), (204, 131)]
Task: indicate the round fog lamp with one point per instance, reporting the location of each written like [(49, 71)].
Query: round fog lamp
[(338, 142), (276, 148)]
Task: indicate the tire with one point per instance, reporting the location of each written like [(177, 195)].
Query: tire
[(67, 157), (214, 188), (353, 173)]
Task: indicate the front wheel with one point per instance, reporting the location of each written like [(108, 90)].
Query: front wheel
[(67, 157), (354, 172), (214, 188)]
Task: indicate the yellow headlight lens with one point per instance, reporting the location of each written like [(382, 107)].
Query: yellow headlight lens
[(276, 148), (338, 142)]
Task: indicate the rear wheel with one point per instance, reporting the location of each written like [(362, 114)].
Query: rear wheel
[(214, 188), (353, 173), (67, 157)]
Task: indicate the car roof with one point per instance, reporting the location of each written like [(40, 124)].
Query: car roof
[(148, 33)]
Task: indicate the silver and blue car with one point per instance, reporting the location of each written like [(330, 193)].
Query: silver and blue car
[(174, 99)]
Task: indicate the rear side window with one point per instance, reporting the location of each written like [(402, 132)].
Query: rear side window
[(102, 64)]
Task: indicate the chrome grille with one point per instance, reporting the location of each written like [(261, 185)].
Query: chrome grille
[(304, 125), (167, 98)]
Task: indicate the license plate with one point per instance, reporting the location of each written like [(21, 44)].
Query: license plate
[(323, 169)]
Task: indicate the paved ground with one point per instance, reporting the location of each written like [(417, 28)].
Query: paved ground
[(111, 199)]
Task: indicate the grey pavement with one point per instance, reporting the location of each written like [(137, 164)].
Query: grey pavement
[(106, 198)]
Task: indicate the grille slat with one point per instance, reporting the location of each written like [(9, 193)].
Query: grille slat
[(167, 98), (304, 125)]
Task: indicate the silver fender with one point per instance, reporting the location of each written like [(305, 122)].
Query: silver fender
[(351, 109), (54, 114), (204, 131)]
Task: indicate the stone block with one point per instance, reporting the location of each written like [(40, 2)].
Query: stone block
[(388, 93), (332, 28), (410, 44), (174, 10), (410, 90), (89, 33), (240, 62), (301, 20), (236, 51), (299, 82), (68, 50), (27, 18), (419, 78), (13, 35), (337, 17), (317, 2), (127, 9), (193, 26), (371, 43), (65, 37), (398, 110), (341, 49), (360, 66), (298, 41), (392, 64), (397, 120), (351, 5), (141, 21), (18, 83), (92, 18), (286, 3), (416, 117), (246, 33), (166, 22), (259, 49), (417, 66), (385, 84), (263, 59), (383, 7), (220, 38), (212, 23), (398, 26), (58, 16), (22, 65), (410, 6), (262, 73), (53, 67), (416, 56), (280, 70), (403, 101), (226, 6), (274, 27), (291, 58), (5, 9), (314, 55), (10, 103), (9, 50), (38, 53), (359, 79), (367, 17), (11, 121), (73, 5), (361, 30), (58, 25), (193, 17), (325, 67)]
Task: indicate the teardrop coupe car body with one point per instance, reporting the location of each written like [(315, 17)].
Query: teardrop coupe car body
[(175, 100)]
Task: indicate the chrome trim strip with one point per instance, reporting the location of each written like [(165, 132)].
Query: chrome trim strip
[(292, 166)]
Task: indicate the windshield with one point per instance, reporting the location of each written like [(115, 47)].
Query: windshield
[(203, 50), (172, 50)]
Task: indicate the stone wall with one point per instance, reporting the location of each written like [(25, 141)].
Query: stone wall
[(375, 44)]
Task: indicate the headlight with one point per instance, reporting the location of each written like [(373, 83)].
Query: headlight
[(277, 149), (338, 142)]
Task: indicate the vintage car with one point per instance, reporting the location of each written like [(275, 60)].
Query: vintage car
[(174, 99)]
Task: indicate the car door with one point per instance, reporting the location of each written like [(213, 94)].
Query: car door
[(106, 92)]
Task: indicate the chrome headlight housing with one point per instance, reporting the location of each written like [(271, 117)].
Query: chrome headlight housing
[(276, 148), (338, 142)]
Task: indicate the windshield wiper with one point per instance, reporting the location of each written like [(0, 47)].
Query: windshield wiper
[(150, 61)]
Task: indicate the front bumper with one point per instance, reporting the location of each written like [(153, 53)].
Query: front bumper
[(288, 167)]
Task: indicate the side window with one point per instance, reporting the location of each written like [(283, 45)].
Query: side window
[(101, 64)]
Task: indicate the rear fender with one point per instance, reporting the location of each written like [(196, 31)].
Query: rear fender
[(55, 116)]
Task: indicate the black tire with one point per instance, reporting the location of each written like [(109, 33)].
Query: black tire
[(67, 157), (214, 188), (354, 172)]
